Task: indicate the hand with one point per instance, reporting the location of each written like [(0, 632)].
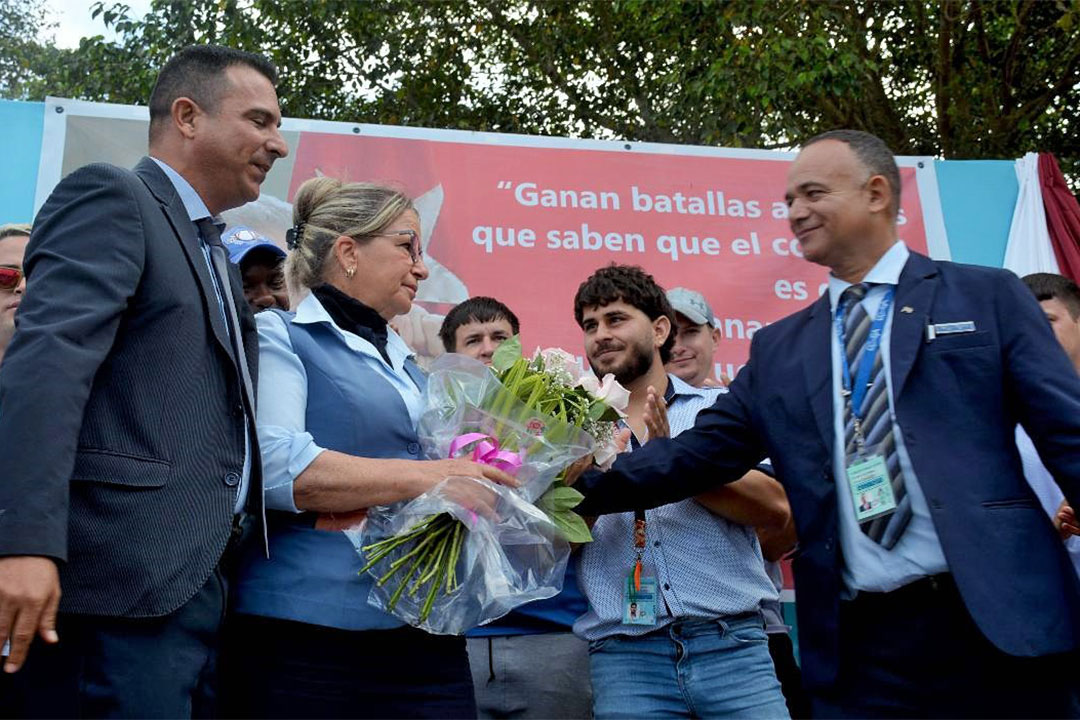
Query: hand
[(655, 415), (29, 597), (435, 471), (1065, 521), (473, 495)]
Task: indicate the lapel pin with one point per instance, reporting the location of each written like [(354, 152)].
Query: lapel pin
[(907, 309)]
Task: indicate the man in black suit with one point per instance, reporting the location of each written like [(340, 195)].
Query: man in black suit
[(950, 594), (126, 409)]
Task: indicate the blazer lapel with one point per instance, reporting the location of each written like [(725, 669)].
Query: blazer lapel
[(911, 312), (816, 351), (162, 189)]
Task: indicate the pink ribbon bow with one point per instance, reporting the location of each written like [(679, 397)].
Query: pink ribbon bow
[(486, 452)]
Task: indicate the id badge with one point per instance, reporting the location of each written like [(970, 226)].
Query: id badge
[(639, 604), (870, 485)]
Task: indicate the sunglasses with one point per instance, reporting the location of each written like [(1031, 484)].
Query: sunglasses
[(10, 277)]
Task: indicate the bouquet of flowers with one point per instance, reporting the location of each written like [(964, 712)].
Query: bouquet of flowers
[(468, 551)]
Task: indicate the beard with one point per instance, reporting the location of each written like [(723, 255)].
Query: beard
[(637, 363)]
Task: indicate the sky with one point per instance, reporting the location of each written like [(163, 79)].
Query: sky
[(72, 18)]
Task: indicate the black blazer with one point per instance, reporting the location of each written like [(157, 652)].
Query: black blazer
[(958, 400), (121, 406)]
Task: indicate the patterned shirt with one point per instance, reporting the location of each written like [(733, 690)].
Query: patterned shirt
[(705, 566)]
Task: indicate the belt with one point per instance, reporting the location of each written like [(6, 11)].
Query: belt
[(925, 588)]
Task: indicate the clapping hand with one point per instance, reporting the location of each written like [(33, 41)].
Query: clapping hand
[(655, 416)]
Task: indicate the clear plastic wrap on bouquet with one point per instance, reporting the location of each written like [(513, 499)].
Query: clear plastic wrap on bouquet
[(506, 551), (464, 396), (510, 554)]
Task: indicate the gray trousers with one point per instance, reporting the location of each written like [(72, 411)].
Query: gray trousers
[(531, 676)]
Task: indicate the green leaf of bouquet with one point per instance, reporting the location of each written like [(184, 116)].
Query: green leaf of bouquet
[(571, 526), (610, 414), (507, 354), (597, 410), (559, 498)]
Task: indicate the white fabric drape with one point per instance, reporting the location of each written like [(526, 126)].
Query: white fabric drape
[(1029, 249)]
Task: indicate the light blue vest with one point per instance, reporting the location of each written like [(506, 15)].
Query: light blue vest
[(312, 575)]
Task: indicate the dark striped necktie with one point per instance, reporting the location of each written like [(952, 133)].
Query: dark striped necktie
[(877, 425)]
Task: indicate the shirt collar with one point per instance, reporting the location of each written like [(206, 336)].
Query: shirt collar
[(679, 388), (311, 311), (885, 272), (193, 204)]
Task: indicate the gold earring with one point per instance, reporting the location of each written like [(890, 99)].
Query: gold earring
[(350, 272)]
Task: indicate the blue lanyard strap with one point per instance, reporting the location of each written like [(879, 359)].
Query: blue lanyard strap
[(857, 393)]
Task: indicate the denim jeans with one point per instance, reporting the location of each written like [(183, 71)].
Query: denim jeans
[(691, 668)]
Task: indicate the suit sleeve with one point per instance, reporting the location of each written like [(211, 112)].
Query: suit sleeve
[(1041, 384), (720, 448), (83, 264)]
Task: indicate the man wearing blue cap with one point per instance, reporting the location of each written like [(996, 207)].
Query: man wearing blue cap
[(262, 265)]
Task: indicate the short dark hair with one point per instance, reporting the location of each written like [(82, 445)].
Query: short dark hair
[(872, 152), (1048, 286), (633, 286), (478, 309), (198, 72)]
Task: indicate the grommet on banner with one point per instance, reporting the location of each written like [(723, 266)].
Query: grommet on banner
[(356, 131), (59, 108), (921, 164), (627, 146)]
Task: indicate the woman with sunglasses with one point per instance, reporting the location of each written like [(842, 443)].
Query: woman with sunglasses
[(338, 402), (13, 241)]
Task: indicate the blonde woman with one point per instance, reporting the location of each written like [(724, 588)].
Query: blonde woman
[(338, 402)]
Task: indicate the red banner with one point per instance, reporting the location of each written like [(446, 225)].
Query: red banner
[(527, 224)]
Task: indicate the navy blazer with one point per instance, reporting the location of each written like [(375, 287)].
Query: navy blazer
[(121, 408), (957, 399)]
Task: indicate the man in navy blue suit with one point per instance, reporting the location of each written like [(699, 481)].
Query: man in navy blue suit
[(950, 594)]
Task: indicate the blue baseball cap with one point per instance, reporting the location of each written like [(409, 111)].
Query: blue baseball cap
[(240, 240)]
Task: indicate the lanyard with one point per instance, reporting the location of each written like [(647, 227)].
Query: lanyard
[(639, 514), (639, 546), (857, 393)]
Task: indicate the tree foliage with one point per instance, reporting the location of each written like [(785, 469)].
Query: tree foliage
[(954, 78)]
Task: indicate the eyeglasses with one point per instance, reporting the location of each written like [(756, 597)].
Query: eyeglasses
[(10, 277), (416, 252)]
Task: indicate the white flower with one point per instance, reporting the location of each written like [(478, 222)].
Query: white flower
[(605, 455), (561, 364), (609, 390)]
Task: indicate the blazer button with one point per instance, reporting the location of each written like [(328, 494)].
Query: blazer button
[(238, 410), (232, 479), (413, 448), (829, 544)]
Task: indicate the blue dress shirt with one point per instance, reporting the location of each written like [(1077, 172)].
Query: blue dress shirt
[(705, 566), (1045, 487), (197, 210), (867, 565)]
